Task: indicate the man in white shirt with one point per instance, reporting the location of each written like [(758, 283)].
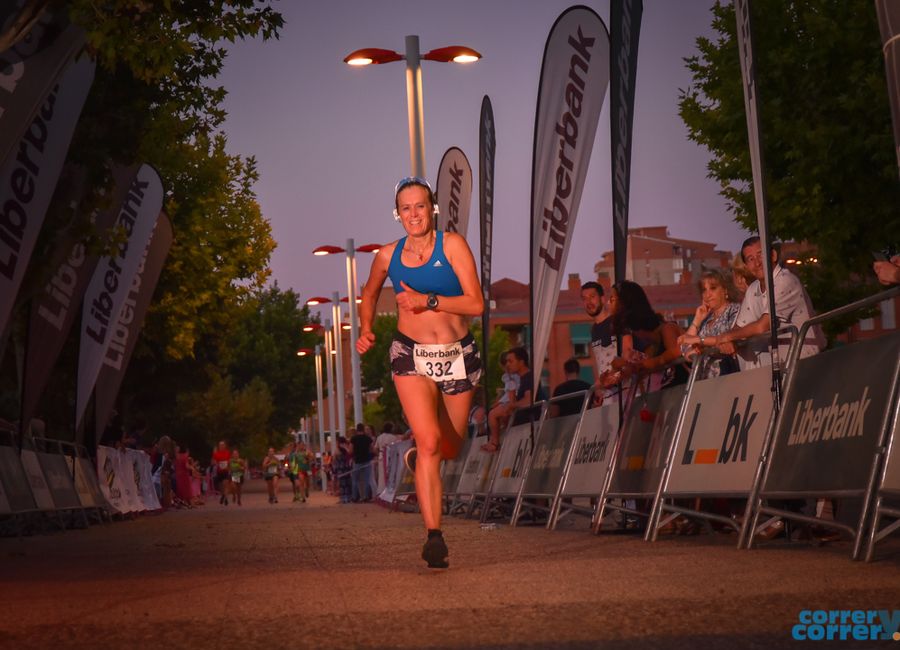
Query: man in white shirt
[(792, 307)]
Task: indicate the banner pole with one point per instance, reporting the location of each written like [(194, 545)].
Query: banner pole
[(757, 163)]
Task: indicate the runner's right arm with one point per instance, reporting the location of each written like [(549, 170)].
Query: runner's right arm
[(370, 293)]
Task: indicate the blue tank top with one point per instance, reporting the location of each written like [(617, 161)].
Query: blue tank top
[(435, 276)]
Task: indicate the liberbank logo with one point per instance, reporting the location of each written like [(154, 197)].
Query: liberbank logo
[(847, 624)]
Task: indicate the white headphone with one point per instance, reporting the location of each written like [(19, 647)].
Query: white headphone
[(435, 212)]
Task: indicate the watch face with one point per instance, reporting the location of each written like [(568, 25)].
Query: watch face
[(432, 301)]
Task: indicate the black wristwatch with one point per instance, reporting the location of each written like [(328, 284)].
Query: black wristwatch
[(432, 301)]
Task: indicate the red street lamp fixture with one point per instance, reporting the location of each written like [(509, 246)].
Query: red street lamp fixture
[(317, 300), (328, 250), (345, 326), (450, 54), (313, 327), (302, 352), (334, 250), (347, 299)]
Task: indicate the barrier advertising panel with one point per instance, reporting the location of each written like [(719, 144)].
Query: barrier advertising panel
[(109, 480), (143, 481), (453, 469), (891, 481), (647, 436), (720, 443), (832, 419), (550, 455), (512, 460), (476, 473), (59, 480), (15, 481), (83, 484), (36, 480), (592, 455)]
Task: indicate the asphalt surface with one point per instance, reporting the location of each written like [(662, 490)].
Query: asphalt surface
[(324, 575)]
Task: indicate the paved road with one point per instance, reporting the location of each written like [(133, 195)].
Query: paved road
[(323, 575)]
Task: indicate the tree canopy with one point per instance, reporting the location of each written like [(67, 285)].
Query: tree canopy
[(831, 175)]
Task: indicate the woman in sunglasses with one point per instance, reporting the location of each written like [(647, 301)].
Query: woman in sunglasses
[(434, 360)]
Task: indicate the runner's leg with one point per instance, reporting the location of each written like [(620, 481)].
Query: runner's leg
[(419, 398)]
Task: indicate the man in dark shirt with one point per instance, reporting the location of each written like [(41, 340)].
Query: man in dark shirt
[(519, 365), (572, 384), (362, 464), (603, 342)]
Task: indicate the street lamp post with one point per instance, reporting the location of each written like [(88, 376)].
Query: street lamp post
[(329, 365), (352, 299), (339, 360), (454, 53), (321, 416)]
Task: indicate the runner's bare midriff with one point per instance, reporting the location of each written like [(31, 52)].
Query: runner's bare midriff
[(433, 326)]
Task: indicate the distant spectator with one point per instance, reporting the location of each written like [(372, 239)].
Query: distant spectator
[(517, 362), (341, 464), (741, 276), (362, 465), (572, 384), (792, 307), (498, 416), (716, 314), (888, 272)]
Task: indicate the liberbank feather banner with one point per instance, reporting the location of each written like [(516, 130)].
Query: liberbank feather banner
[(28, 178), (574, 79), (53, 310), (487, 152), (757, 164), (128, 326), (889, 23), (109, 287), (625, 23), (454, 191), (29, 69)]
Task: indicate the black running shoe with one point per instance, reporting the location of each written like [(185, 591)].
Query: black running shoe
[(435, 553), (410, 459)]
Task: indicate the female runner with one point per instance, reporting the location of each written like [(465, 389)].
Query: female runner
[(434, 360)]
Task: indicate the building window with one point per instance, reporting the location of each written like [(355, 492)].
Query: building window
[(677, 263), (586, 374), (888, 315), (866, 324), (580, 335)]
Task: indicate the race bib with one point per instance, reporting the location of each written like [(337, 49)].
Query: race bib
[(223, 465), (440, 361), (237, 477)]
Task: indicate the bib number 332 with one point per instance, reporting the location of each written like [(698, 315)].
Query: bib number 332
[(441, 362)]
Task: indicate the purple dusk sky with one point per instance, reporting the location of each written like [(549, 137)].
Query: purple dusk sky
[(331, 140)]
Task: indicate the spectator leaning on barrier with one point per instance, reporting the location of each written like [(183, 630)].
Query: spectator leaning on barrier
[(603, 342), (792, 307), (715, 315), (741, 276), (649, 342), (572, 384), (888, 272)]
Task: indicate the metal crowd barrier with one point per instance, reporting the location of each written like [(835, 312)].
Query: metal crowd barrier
[(828, 451)]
